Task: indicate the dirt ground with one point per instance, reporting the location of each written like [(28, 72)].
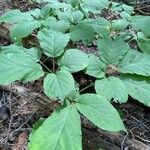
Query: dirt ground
[(18, 112)]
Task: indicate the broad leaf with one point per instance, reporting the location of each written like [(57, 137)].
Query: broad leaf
[(18, 67), (112, 51), (97, 24), (96, 67), (58, 85), (51, 23), (95, 6), (61, 131), (100, 112), (138, 87), (120, 24), (53, 42), (22, 30), (136, 63), (82, 32), (15, 16), (74, 60), (143, 42), (141, 23), (128, 9), (112, 87), (71, 16), (33, 53)]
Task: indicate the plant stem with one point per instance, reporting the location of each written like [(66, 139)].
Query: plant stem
[(86, 87), (53, 64)]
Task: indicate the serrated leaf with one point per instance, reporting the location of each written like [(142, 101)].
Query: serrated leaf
[(82, 32), (98, 24), (33, 53), (141, 23), (74, 60), (58, 85), (17, 67), (95, 6), (120, 24), (53, 42), (71, 16), (61, 131), (100, 112), (138, 87), (22, 30), (15, 16), (96, 67), (143, 42), (51, 23), (112, 51), (136, 63), (112, 87)]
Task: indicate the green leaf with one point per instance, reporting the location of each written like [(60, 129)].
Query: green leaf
[(58, 85), (61, 131), (128, 9), (51, 23), (112, 87), (95, 6), (33, 53), (71, 16), (112, 51), (82, 32), (15, 16), (97, 24), (53, 42), (22, 30), (136, 63), (74, 3), (36, 126), (143, 42), (100, 112), (18, 67), (120, 24), (96, 67), (74, 60), (138, 87), (141, 23)]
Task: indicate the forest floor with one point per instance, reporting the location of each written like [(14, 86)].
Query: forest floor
[(20, 112)]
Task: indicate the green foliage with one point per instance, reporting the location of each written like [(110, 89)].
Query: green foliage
[(59, 84), (117, 70), (119, 59)]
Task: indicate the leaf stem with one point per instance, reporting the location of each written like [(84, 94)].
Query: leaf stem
[(53, 64), (86, 87)]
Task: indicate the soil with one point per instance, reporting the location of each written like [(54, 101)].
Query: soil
[(18, 113)]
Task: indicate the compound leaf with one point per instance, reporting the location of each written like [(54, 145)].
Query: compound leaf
[(74, 60), (100, 112), (60, 131), (58, 85)]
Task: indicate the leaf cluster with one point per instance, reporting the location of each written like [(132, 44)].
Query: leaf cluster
[(118, 70)]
